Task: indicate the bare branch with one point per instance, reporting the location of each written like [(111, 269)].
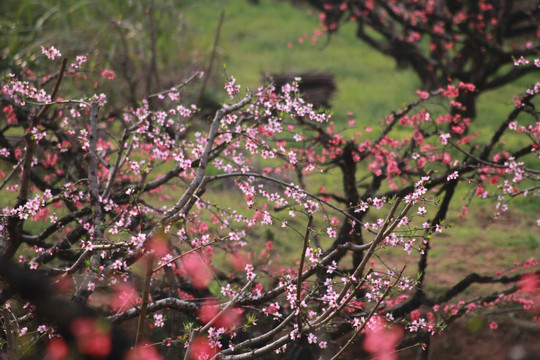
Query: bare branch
[(167, 303), (199, 177)]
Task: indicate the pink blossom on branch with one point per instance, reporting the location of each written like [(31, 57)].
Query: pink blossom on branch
[(79, 61), (52, 53), (231, 88)]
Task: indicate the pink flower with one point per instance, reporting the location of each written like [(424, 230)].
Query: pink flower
[(529, 283), (198, 270), (108, 74), (143, 352), (51, 52), (452, 176), (424, 95), (79, 60), (467, 86), (201, 349), (418, 137), (332, 232), (444, 138), (42, 328), (231, 88), (125, 297), (382, 339), (92, 338), (158, 320), (421, 161)]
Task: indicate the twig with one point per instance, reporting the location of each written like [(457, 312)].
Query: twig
[(229, 304), (118, 163), (192, 337), (258, 339), (504, 126), (375, 308), (330, 313), (152, 71), (187, 252), (93, 171), (212, 57), (167, 303), (6, 180), (253, 354), (24, 187), (475, 278), (73, 268), (83, 292), (380, 237), (11, 337), (488, 163), (283, 183), (176, 87), (524, 191), (281, 289), (300, 270), (144, 302), (199, 177), (30, 144)]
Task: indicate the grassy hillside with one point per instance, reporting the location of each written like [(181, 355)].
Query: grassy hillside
[(259, 39), (256, 39)]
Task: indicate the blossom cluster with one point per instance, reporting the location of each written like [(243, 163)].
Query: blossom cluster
[(211, 216)]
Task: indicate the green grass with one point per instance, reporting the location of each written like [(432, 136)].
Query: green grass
[(254, 41)]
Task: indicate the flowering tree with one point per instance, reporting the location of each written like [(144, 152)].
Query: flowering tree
[(445, 41), (119, 241)]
